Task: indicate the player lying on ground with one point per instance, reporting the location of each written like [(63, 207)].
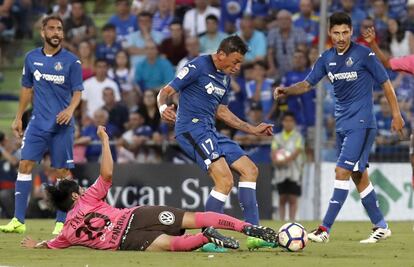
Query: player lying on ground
[(352, 69), (91, 222)]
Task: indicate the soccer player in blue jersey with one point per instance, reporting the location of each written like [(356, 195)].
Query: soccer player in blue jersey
[(352, 69), (52, 79), (203, 86)]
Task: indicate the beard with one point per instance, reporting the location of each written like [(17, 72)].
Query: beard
[(50, 41)]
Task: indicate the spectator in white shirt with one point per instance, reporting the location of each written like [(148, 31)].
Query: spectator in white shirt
[(195, 18)]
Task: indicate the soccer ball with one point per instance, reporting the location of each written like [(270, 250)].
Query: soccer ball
[(292, 236)]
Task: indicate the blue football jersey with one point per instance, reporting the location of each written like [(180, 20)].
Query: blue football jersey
[(53, 79), (202, 88), (352, 74)]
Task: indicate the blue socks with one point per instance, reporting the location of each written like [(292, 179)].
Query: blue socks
[(60, 216), (215, 202), (21, 196), (248, 202), (371, 205), (341, 189)]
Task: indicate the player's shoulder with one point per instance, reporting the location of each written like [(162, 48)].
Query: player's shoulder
[(363, 50), (34, 52), (200, 61), (69, 56)]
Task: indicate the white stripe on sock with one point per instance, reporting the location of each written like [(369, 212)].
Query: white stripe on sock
[(251, 185), (342, 184), (366, 191), (219, 196), (24, 177)]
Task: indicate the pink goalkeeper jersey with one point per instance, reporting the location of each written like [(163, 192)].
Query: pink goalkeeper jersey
[(405, 64), (92, 222)]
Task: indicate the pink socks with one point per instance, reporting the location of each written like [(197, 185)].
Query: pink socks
[(218, 221), (188, 242)]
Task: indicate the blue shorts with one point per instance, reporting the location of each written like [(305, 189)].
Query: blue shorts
[(59, 144), (205, 145), (353, 148)]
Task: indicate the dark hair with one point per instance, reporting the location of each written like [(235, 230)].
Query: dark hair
[(128, 60), (233, 44), (51, 17), (289, 114), (212, 17), (2, 136), (176, 21), (145, 14), (340, 18), (59, 196), (108, 26), (399, 35), (122, 1)]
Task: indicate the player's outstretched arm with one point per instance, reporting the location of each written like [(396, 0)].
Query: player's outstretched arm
[(65, 115), (28, 242), (369, 37), (26, 95), (397, 124), (295, 89), (228, 117), (167, 112), (107, 164)]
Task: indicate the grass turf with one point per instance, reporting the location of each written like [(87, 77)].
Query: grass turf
[(343, 250)]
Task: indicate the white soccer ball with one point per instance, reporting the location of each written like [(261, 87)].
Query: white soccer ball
[(292, 236)]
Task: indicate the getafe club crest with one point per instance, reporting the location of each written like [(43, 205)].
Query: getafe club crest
[(349, 62), (58, 66)]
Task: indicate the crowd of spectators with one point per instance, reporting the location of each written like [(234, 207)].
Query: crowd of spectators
[(144, 43)]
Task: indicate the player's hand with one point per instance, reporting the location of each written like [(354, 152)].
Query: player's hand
[(263, 129), (397, 125), (17, 128), (369, 35), (64, 116), (169, 114), (101, 132), (280, 92), (28, 242)]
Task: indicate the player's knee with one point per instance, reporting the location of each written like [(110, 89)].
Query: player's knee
[(249, 173), (342, 174), (63, 173), (26, 166), (225, 185)]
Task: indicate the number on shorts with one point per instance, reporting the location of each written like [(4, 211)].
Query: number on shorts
[(208, 141)]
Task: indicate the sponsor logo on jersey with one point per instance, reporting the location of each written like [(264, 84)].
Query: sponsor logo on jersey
[(192, 66), (371, 54), (166, 217), (349, 162), (58, 66), (56, 79), (332, 63), (214, 89), (38, 63), (347, 76), (183, 72), (349, 62)]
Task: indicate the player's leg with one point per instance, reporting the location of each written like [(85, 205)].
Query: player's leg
[(247, 187), (220, 172), (34, 144), (202, 146), (347, 157), (61, 156)]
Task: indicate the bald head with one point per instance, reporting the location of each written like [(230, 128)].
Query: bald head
[(284, 20)]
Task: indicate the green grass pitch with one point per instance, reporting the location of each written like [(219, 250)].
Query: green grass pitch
[(343, 250)]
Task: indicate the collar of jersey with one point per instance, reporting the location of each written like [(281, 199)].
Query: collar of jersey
[(214, 65), (349, 48), (43, 52)]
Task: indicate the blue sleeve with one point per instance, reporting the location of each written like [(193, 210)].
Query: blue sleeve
[(187, 75), (317, 73), (27, 76), (225, 99), (75, 73), (376, 69)]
